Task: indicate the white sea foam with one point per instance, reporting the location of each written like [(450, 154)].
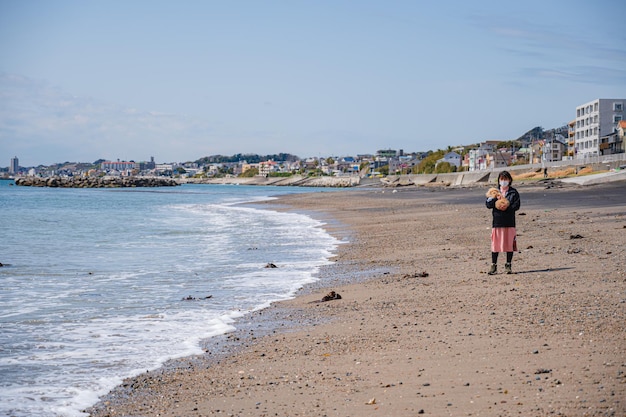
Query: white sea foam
[(105, 289)]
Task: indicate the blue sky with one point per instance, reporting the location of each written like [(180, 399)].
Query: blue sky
[(178, 80)]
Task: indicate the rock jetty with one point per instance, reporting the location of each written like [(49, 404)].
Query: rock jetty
[(93, 182)]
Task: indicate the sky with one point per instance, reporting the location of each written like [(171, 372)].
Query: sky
[(179, 80)]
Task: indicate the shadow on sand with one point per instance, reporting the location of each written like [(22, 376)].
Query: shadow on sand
[(543, 270)]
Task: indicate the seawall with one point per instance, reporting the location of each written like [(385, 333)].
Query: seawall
[(295, 180)]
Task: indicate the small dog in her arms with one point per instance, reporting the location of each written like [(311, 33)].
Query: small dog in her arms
[(502, 203)]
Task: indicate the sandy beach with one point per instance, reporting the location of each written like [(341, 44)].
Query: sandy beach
[(420, 328)]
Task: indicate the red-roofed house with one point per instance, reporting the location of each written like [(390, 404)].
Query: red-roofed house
[(266, 167)]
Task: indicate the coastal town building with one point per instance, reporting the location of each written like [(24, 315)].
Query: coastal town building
[(164, 169), (477, 159), (239, 168), (387, 153), (554, 149), (452, 158), (500, 158), (347, 165), (311, 164), (594, 120), (398, 165), (571, 139), (621, 136), (482, 157), (145, 166), (267, 167), (14, 167), (522, 155), (614, 142), (120, 166)]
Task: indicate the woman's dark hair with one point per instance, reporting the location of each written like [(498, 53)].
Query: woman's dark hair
[(506, 176)]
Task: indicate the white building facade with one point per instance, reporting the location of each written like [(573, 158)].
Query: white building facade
[(478, 159), (118, 165), (595, 119), (554, 149), (452, 158)]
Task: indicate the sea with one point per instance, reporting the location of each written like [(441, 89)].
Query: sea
[(102, 284)]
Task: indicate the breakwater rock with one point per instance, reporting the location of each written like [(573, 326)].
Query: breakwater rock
[(92, 182)]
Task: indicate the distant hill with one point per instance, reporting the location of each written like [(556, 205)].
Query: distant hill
[(533, 134), (538, 133)]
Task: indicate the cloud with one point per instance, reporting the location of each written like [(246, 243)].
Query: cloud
[(595, 75), (559, 52), (38, 118), (43, 124)]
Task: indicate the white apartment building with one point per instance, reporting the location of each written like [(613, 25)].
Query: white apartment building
[(117, 166), (597, 118)]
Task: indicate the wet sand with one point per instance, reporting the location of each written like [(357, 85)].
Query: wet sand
[(421, 329)]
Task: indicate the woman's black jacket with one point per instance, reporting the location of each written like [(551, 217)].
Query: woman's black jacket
[(505, 218)]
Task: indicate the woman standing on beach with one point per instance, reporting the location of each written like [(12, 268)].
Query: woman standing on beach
[(503, 235)]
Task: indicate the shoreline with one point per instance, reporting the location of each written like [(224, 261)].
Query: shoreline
[(455, 342)]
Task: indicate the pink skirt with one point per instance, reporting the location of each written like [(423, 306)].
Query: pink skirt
[(503, 239)]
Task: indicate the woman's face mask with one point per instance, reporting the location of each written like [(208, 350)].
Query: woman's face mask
[(504, 183)]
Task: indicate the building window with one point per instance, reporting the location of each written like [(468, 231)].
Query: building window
[(618, 107), (617, 118)]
